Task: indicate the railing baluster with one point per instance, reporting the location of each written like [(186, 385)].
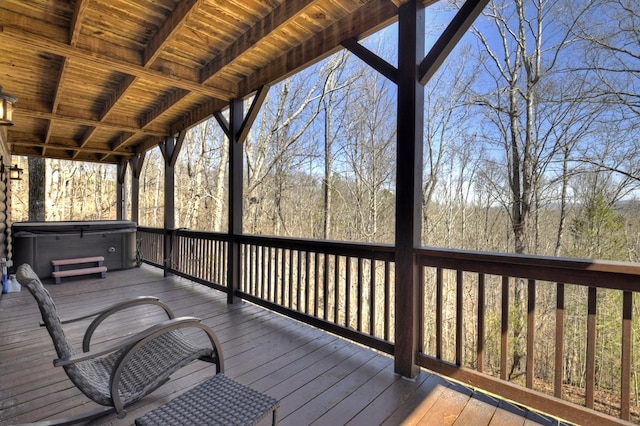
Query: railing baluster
[(591, 346), (625, 367), (290, 304), (269, 294), (359, 299), (347, 313), (280, 257), (193, 255), (439, 285), (307, 283), (182, 254), (531, 325), (325, 289), (421, 303), (223, 276), (264, 280), (316, 283), (480, 346), (206, 259), (249, 269), (459, 315), (214, 255), (197, 257), (216, 259), (387, 299), (336, 290), (559, 350), (299, 283), (220, 258), (256, 271), (372, 297), (504, 332), (200, 258)]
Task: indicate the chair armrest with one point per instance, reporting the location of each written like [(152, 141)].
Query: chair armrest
[(107, 312), (131, 341), (126, 303)]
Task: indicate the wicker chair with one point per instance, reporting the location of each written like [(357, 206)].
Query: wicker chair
[(124, 372)]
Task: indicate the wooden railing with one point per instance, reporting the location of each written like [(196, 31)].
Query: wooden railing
[(516, 344), (344, 288), (498, 322), (199, 256), (150, 241)]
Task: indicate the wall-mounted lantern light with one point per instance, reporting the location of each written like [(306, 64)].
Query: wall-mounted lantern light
[(15, 172), (7, 105)]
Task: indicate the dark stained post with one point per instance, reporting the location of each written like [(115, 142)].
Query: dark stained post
[(120, 188), (236, 118), (408, 185), (135, 164), (169, 203)]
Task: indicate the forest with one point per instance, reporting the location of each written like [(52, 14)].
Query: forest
[(531, 145)]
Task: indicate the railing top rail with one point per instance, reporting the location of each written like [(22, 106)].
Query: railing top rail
[(384, 252), (594, 273)]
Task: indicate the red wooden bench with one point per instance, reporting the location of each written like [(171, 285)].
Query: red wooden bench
[(98, 268)]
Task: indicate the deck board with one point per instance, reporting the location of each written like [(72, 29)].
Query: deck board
[(318, 378)]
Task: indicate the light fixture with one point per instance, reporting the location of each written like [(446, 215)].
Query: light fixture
[(7, 105), (15, 172)]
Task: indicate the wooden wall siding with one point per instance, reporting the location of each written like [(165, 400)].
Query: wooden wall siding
[(104, 80), (5, 235), (4, 218)]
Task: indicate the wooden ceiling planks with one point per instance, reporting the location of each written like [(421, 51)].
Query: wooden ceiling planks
[(104, 80)]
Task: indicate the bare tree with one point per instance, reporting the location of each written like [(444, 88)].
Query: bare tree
[(607, 32), (36, 189), (518, 66), (201, 173), (369, 156)]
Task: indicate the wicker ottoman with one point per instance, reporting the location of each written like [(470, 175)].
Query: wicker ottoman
[(217, 401)]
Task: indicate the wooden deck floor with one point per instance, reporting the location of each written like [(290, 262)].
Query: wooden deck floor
[(318, 378)]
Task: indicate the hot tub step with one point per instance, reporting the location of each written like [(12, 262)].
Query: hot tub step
[(57, 273)]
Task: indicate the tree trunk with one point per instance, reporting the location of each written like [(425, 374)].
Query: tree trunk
[(36, 189)]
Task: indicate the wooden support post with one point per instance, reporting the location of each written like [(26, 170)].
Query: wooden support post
[(408, 184), (136, 168), (120, 191), (169, 203), (135, 199), (235, 197)]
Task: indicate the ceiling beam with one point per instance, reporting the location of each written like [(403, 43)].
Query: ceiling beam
[(74, 34), (76, 21), (375, 15), (14, 36), (25, 112), (279, 16), (163, 105), (60, 147), (171, 26)]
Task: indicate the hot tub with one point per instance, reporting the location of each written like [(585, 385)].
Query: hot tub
[(38, 243)]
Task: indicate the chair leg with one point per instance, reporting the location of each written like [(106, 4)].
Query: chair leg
[(78, 418)]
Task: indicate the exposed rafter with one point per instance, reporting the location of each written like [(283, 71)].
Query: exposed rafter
[(108, 78)]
